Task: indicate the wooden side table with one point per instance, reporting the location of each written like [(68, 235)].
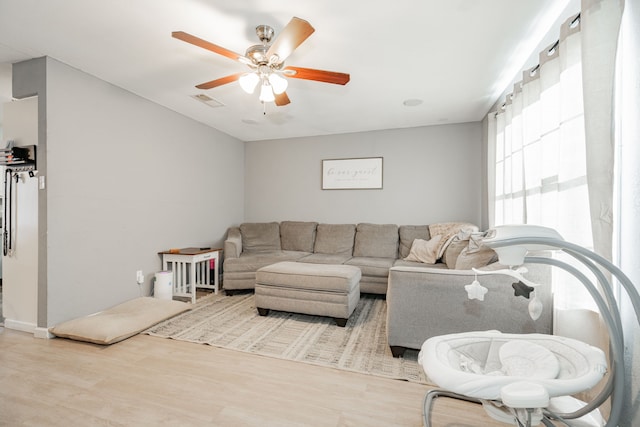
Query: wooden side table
[(191, 270)]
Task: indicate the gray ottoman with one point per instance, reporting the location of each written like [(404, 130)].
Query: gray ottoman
[(316, 289)]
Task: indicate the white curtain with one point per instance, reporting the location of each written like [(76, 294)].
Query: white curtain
[(601, 27), (539, 153), (627, 193), (540, 147)]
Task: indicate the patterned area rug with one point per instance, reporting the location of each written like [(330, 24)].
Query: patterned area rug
[(232, 322)]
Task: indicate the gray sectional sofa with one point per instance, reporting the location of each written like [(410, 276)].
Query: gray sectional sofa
[(374, 248), (423, 299)]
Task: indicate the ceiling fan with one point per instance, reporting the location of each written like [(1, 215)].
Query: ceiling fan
[(266, 61)]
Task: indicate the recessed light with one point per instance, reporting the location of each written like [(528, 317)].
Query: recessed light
[(412, 102)]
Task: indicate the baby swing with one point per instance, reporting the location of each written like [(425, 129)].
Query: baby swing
[(527, 379)]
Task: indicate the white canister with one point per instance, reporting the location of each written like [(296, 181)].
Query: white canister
[(163, 286)]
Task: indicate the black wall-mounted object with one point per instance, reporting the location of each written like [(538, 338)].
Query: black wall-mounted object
[(19, 159)]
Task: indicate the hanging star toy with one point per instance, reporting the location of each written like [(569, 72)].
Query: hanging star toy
[(522, 290), (476, 291)]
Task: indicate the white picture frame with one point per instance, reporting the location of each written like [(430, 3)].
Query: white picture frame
[(352, 174)]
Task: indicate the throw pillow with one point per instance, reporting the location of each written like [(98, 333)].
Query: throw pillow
[(477, 258), (451, 253), (424, 250)]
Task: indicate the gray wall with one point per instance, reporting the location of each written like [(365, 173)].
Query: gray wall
[(431, 174), (126, 179)]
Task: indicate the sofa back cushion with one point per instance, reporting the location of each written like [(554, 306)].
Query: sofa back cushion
[(408, 233), (335, 239), (376, 240), (297, 235), (260, 237)]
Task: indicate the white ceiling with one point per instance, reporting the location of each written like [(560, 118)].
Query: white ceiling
[(457, 56)]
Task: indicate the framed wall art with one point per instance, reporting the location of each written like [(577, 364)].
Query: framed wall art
[(350, 174)]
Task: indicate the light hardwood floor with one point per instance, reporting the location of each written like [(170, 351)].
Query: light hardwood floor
[(149, 381)]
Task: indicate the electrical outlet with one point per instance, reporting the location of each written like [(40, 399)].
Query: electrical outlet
[(139, 277)]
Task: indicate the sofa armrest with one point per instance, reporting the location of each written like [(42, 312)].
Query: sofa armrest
[(233, 243), (424, 302)]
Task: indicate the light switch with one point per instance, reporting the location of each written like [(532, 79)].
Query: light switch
[(41, 182)]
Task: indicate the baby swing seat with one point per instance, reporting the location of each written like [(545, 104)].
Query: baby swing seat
[(517, 370)]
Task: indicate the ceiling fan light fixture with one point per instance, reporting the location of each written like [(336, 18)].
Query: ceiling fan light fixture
[(266, 93), (248, 82), (275, 59), (278, 83), (266, 60), (264, 33), (257, 53)]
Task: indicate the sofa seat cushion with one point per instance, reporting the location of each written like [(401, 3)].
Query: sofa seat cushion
[(367, 281), (378, 267), (335, 239), (260, 237), (376, 240), (298, 235), (254, 261), (325, 258)]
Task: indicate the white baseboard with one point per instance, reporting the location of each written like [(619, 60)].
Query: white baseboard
[(19, 326), (43, 333), (29, 328)]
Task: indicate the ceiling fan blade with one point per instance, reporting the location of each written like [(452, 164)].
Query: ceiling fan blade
[(282, 99), (219, 82), (317, 75), (186, 37), (292, 36)]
